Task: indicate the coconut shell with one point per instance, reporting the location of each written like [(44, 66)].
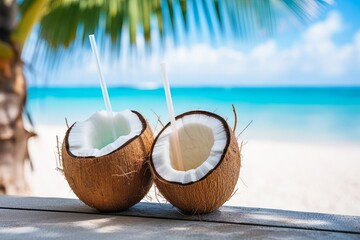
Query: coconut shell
[(115, 181), (214, 189)]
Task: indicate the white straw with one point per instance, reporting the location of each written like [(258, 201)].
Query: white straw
[(103, 85), (174, 135)]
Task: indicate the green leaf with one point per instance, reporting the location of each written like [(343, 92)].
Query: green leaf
[(32, 11), (133, 15)]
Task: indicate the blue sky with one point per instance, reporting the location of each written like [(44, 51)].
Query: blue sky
[(325, 52)]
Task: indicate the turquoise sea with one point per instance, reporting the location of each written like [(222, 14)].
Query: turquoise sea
[(277, 113)]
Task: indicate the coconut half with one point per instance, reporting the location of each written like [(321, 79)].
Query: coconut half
[(211, 159), (107, 174)]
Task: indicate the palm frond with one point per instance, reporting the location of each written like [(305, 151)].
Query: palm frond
[(67, 23), (305, 10), (32, 11)]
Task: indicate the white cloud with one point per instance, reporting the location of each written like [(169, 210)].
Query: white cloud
[(319, 53), (315, 55)]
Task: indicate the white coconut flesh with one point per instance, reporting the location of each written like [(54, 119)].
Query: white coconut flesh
[(94, 136), (202, 140)]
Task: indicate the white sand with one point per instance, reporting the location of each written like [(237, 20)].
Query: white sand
[(316, 177)]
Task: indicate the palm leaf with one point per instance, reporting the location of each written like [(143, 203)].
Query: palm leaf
[(32, 11), (67, 23), (183, 8), (218, 15)]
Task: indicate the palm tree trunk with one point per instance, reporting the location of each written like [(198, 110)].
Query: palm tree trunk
[(13, 136)]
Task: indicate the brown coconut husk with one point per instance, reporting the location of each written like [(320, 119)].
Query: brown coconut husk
[(113, 182), (214, 189)]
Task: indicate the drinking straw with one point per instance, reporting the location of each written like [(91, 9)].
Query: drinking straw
[(103, 85), (174, 137)]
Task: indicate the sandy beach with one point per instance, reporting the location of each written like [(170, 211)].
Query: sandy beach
[(302, 176)]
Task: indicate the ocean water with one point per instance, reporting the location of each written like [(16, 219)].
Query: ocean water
[(286, 114)]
